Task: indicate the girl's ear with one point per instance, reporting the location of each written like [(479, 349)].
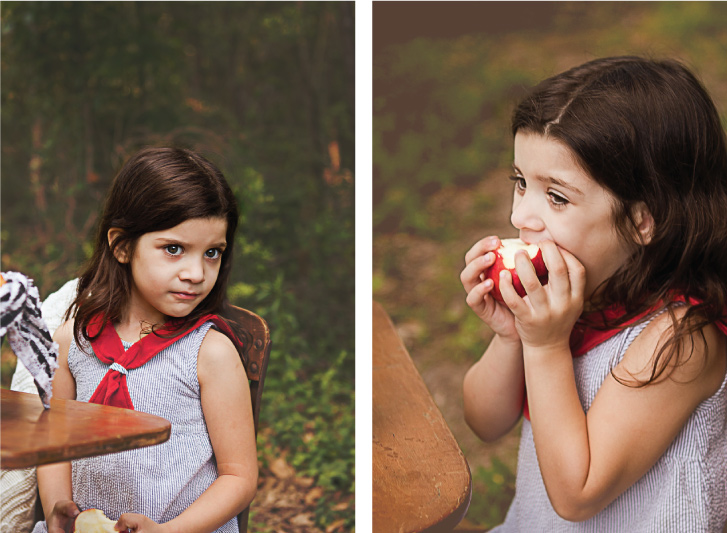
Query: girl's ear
[(644, 223), (120, 252)]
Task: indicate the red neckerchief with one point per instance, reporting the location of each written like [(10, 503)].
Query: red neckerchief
[(113, 389), (584, 338)]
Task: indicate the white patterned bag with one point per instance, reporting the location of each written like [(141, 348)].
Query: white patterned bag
[(27, 332)]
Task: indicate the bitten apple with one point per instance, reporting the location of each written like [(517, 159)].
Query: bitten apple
[(505, 260), (94, 521)]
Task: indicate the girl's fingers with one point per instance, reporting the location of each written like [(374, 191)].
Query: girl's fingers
[(509, 295), (576, 274), (481, 247), (529, 279), (126, 521), (476, 297), (135, 522), (473, 273), (558, 275)]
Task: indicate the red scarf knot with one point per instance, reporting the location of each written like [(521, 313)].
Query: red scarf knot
[(108, 348)]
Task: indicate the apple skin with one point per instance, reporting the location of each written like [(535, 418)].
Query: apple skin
[(94, 521), (504, 260)]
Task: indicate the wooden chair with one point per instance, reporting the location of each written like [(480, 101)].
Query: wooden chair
[(256, 364)]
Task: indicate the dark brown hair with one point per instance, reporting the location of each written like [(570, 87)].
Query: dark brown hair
[(648, 132), (156, 189)]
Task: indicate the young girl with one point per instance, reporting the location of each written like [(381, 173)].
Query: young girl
[(618, 362), (141, 337)]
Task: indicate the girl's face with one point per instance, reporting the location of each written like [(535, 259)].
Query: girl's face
[(556, 200), (174, 270)]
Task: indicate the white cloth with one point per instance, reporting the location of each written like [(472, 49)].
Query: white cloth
[(18, 493)]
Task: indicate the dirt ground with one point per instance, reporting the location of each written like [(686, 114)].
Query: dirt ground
[(286, 503)]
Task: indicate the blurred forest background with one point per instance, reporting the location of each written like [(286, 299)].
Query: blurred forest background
[(446, 78), (266, 91)]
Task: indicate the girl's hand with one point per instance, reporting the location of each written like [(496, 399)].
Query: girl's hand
[(478, 260), (63, 517), (546, 316), (138, 523)]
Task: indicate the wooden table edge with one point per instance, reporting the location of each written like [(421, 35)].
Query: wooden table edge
[(449, 522), (18, 458), (22, 460)]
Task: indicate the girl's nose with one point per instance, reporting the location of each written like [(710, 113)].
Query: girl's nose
[(192, 271), (526, 214)]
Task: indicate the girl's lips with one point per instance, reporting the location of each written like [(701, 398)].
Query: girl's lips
[(185, 295)]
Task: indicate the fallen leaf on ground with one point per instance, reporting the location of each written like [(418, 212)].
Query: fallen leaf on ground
[(302, 520), (335, 526), (313, 495), (304, 482), (281, 469)]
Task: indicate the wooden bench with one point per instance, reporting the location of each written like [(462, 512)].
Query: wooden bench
[(421, 480)]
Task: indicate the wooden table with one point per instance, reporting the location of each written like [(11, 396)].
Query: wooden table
[(421, 480), (32, 435)]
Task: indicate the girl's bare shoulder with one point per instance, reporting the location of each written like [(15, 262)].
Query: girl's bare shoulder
[(701, 364), (217, 353), (63, 336)]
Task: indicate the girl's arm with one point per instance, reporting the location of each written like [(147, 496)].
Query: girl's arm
[(493, 387), (227, 410), (494, 390), (588, 460), (54, 481)]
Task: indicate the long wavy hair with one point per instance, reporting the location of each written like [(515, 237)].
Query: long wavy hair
[(648, 132), (156, 189)]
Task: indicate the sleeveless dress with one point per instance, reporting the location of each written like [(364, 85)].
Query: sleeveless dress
[(685, 491), (158, 481)]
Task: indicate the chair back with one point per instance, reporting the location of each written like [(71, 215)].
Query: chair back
[(256, 365)]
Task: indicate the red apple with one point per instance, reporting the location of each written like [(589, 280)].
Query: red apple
[(505, 260), (94, 521)]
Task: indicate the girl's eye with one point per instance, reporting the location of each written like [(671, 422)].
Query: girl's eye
[(173, 249), (213, 253), (520, 184), (557, 200)]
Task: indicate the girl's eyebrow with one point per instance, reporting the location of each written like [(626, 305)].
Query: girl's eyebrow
[(169, 240), (554, 181)]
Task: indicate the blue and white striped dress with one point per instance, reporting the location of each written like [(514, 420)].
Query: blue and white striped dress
[(685, 491), (159, 481)]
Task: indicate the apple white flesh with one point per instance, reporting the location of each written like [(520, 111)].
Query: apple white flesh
[(94, 521), (505, 260)]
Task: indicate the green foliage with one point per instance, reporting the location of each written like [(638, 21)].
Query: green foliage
[(493, 489), (428, 132), (311, 417), (441, 107)]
